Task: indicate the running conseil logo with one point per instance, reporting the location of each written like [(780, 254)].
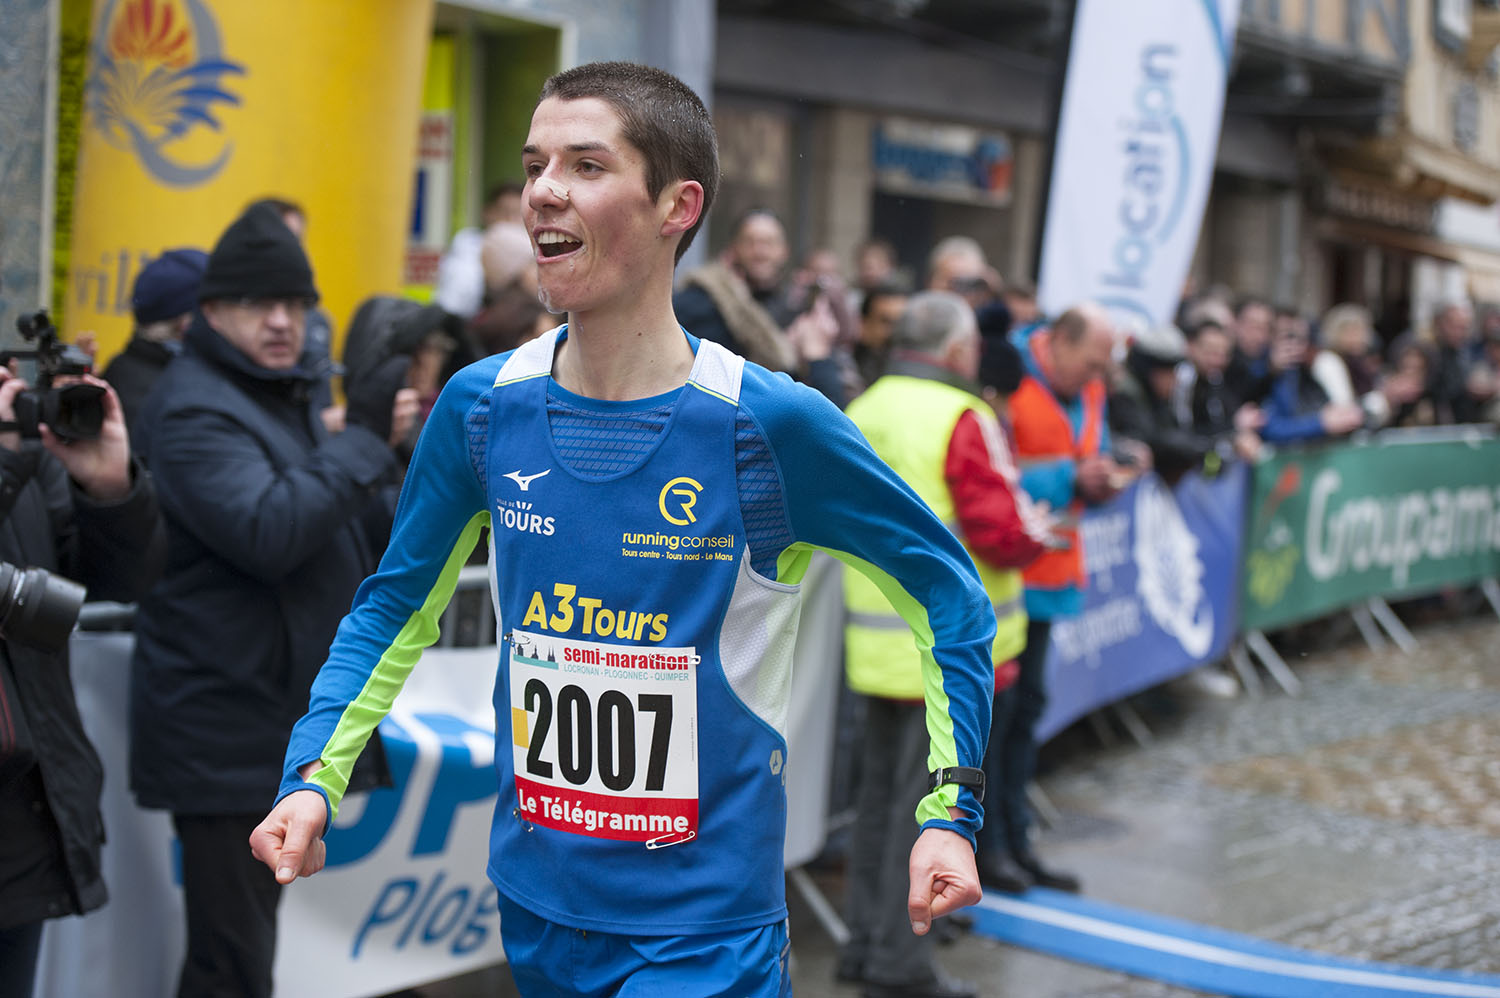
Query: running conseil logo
[(157, 79), (677, 499)]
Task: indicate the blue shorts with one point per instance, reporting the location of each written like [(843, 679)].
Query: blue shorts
[(548, 959)]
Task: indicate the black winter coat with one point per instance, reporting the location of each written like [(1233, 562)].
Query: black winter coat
[(264, 515), (50, 827), (1134, 413), (133, 373)]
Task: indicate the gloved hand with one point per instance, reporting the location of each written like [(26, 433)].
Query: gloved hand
[(371, 399)]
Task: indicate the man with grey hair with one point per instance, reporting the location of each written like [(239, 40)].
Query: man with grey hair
[(925, 419), (958, 264)]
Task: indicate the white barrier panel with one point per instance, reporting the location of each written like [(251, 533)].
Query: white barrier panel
[(811, 720), (133, 945), (405, 898)]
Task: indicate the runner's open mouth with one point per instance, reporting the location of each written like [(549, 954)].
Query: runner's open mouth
[(551, 244)]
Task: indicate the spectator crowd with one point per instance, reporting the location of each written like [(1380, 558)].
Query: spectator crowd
[(245, 483)]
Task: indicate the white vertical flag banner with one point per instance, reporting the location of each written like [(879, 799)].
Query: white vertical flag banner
[(1136, 140)]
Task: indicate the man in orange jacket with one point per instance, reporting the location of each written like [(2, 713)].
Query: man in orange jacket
[(1062, 444)]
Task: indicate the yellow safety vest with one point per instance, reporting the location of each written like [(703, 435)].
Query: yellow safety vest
[(909, 422)]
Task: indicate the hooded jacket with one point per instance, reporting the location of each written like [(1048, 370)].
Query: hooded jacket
[(267, 544)]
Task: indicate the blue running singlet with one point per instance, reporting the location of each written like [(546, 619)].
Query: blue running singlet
[(645, 665)]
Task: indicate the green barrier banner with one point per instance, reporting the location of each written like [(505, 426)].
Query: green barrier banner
[(1332, 527)]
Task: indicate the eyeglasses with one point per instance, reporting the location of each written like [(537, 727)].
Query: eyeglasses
[(261, 307)]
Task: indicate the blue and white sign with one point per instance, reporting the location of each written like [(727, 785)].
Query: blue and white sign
[(404, 898), (1136, 139), (1162, 569), (942, 162)]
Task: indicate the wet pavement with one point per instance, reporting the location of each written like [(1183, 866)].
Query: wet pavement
[(1360, 819)]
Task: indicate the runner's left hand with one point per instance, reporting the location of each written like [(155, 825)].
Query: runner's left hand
[(943, 877)]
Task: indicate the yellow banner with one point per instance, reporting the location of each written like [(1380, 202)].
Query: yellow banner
[(194, 108)]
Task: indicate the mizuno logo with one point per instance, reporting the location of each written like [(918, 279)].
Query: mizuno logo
[(525, 480)]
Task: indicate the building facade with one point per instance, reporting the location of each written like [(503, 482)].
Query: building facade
[(1359, 157)]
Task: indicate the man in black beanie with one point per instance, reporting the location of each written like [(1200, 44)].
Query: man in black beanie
[(265, 513)]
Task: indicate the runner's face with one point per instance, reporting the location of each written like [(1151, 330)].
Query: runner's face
[(594, 228)]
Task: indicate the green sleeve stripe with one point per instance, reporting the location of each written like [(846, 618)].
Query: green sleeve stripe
[(943, 750), (385, 681), (792, 563)]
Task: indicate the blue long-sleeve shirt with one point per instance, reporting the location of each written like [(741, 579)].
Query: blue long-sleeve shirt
[(805, 480)]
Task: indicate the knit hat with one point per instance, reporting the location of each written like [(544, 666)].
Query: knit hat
[(1000, 364), (258, 257), (168, 286)]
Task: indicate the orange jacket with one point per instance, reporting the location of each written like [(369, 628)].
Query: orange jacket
[(1044, 434)]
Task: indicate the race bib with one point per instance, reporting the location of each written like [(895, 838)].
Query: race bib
[(605, 738)]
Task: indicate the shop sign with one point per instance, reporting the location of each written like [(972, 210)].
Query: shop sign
[(432, 189), (942, 162), (1368, 203), (432, 197)]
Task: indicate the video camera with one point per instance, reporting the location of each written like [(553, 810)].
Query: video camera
[(38, 608), (73, 412)]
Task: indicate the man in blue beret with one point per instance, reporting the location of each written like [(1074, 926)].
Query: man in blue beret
[(162, 301)]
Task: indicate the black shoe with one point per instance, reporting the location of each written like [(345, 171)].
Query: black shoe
[(950, 929), (851, 967), (1043, 877), (998, 870), (941, 986)]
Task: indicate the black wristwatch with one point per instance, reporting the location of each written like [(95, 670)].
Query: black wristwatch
[(964, 776)]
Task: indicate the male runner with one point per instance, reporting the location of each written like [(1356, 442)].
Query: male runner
[(653, 502)]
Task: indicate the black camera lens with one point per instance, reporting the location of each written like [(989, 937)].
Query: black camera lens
[(76, 411), (73, 412), (38, 608)]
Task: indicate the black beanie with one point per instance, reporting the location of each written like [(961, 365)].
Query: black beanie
[(258, 257), (1000, 365)]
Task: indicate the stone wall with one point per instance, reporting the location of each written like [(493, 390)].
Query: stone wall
[(23, 163)]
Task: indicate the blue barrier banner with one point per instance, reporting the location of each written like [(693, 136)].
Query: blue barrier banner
[(1163, 566)]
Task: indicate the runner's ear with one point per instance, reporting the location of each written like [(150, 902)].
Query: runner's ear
[(682, 200)]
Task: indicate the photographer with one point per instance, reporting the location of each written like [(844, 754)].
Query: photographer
[(81, 509)]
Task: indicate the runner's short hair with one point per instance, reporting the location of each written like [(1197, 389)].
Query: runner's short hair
[(659, 115)]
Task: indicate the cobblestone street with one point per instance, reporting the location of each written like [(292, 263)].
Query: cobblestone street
[(1360, 819)]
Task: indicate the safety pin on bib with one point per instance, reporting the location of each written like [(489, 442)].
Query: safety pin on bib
[(658, 843)]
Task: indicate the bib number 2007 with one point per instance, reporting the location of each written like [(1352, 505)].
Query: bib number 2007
[(602, 736)]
